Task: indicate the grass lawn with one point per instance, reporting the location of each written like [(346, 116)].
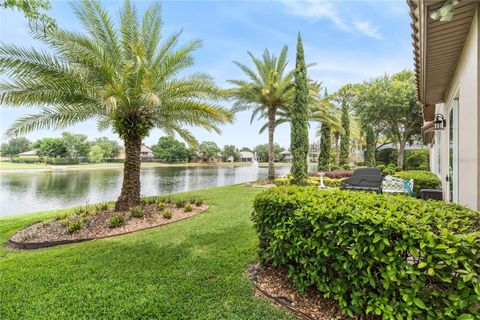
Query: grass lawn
[(193, 269)]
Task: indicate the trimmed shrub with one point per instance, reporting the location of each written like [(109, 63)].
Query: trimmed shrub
[(417, 159), (332, 183), (391, 256), (421, 180), (338, 174), (117, 221)]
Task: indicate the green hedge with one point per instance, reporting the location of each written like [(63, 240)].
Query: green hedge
[(25, 160), (61, 161), (421, 180), (395, 257)]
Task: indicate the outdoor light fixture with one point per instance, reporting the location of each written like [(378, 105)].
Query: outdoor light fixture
[(439, 121)]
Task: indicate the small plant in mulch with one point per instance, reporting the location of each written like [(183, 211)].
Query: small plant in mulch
[(99, 208), (188, 208), (180, 203), (46, 223), (161, 206), (74, 226), (199, 202), (167, 214), (164, 200), (136, 212), (61, 217), (149, 200), (117, 221)]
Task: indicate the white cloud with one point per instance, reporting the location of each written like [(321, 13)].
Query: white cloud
[(367, 28), (326, 10), (316, 9)]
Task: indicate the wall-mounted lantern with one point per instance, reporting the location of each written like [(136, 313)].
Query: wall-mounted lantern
[(439, 121)]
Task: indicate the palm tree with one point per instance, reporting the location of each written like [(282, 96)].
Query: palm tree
[(268, 88), (124, 77), (319, 107)]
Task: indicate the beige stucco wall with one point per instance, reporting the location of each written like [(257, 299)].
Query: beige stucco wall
[(465, 86)]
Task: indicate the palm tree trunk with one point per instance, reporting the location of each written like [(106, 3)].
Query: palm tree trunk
[(130, 195), (271, 153)]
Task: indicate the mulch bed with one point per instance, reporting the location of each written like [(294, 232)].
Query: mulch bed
[(274, 285), (54, 232)]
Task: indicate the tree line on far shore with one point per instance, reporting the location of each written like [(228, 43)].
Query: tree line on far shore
[(73, 146)]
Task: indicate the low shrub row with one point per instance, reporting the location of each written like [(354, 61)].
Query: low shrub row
[(389, 170), (395, 257), (312, 181), (61, 161), (25, 160), (335, 174), (54, 161), (421, 180)]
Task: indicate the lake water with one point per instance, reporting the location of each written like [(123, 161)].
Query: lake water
[(37, 191)]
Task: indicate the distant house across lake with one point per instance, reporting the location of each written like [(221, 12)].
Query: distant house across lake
[(146, 154), (246, 156), (29, 154)]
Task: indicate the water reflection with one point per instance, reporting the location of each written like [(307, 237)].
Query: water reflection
[(38, 191)]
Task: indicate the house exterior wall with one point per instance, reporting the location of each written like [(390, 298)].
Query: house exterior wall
[(464, 86)]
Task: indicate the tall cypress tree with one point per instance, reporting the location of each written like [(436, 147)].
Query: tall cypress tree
[(324, 158), (345, 137), (370, 141), (299, 125)]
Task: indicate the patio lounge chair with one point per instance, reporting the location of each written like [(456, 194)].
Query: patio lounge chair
[(365, 179)]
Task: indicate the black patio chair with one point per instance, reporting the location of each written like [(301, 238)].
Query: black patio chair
[(364, 179)]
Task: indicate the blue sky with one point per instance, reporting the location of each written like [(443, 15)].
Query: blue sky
[(350, 41)]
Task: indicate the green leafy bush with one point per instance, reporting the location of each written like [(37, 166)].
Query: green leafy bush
[(161, 206), (388, 170), (168, 214), (421, 180), (417, 159), (188, 208), (117, 221), (395, 257), (136, 212), (199, 202), (387, 156)]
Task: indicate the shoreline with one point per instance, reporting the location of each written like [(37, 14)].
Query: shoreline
[(110, 166)]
